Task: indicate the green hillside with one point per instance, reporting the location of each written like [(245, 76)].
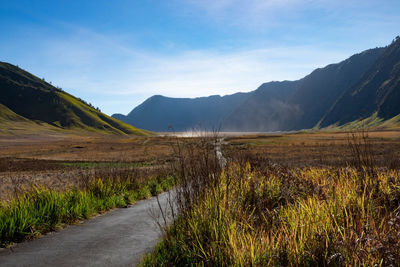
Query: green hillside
[(14, 124), (373, 122), (7, 114), (30, 97)]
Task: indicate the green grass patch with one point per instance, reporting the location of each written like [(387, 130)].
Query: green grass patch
[(372, 122), (89, 164), (43, 210), (264, 142)]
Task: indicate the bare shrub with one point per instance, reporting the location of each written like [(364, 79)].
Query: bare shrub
[(196, 166), (361, 150)]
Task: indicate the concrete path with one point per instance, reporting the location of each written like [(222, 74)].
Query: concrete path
[(221, 159), (118, 238)]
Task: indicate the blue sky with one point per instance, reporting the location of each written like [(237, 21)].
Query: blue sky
[(115, 54)]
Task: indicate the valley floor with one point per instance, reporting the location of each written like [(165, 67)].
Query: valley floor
[(304, 199), (59, 160), (62, 161)]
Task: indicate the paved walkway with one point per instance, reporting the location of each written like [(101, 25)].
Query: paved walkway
[(118, 238)]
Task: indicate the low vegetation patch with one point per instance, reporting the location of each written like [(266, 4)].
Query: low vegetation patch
[(254, 212), (278, 217), (89, 164), (42, 210)]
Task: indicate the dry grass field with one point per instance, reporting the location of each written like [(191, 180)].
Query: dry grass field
[(58, 160), (85, 148), (298, 199), (316, 149)]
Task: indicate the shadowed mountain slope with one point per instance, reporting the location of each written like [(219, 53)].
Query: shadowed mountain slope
[(318, 91), (293, 105), (259, 111), (378, 91), (25, 95)]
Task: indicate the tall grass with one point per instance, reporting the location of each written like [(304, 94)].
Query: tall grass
[(42, 210), (258, 213)]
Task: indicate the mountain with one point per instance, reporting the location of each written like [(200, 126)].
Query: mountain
[(366, 85), (300, 104), (377, 93), (158, 113), (25, 97)]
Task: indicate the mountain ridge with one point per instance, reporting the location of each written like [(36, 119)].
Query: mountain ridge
[(152, 115), (282, 105), (371, 93)]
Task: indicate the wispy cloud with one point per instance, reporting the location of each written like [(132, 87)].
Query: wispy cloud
[(102, 69), (276, 40), (244, 13), (197, 73), (264, 15), (245, 6)]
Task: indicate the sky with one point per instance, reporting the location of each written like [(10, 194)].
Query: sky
[(115, 54)]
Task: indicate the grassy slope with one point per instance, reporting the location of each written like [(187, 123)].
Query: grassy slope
[(14, 124), (373, 122), (7, 114), (36, 100), (86, 117)]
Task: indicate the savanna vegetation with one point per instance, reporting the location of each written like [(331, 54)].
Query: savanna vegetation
[(59, 161), (326, 198), (47, 182), (259, 212)]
